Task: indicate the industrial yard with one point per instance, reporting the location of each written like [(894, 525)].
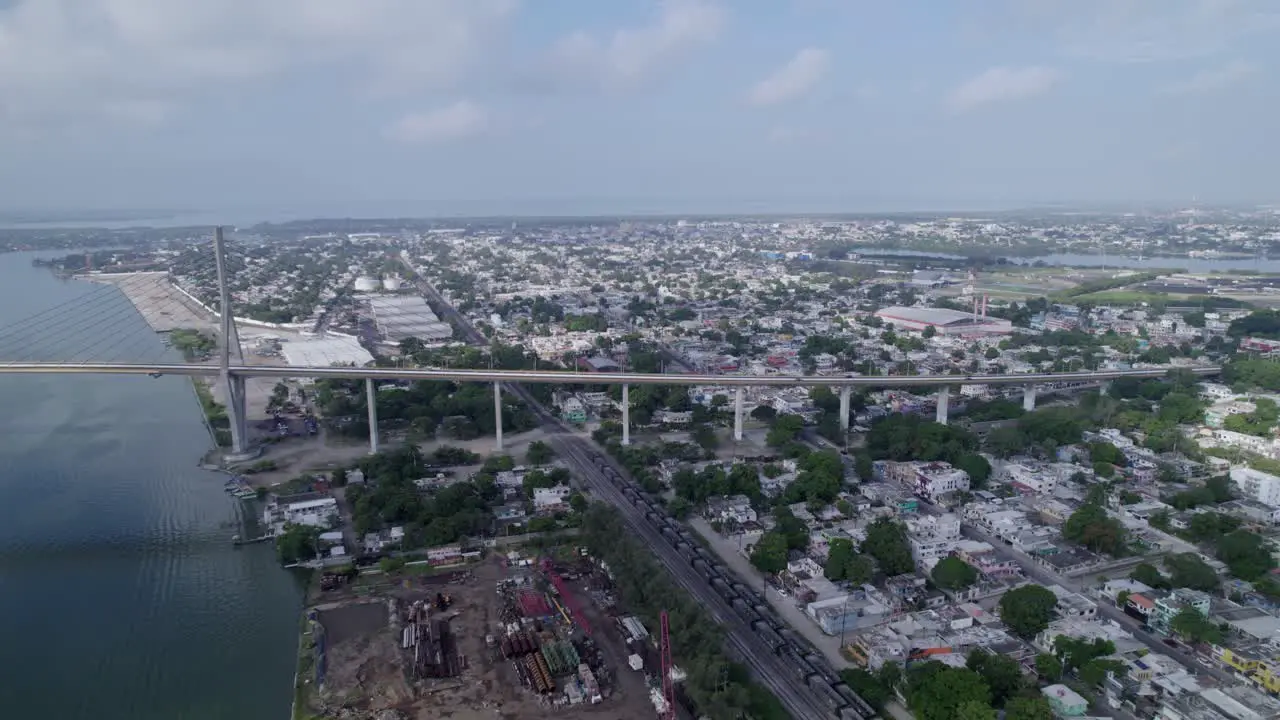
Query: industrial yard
[(512, 637)]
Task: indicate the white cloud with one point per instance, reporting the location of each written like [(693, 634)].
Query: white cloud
[(462, 119), (633, 55), (1214, 79), (83, 59), (793, 80), (1000, 84)]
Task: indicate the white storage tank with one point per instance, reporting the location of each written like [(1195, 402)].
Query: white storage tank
[(364, 283), (391, 283)]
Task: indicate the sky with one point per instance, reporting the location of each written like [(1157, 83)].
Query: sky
[(461, 107)]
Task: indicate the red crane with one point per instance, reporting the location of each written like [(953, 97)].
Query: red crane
[(668, 691)]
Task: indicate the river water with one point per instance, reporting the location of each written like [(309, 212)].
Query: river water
[(121, 596)]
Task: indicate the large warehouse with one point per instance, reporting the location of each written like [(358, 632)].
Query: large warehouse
[(325, 351), (402, 316), (945, 322)]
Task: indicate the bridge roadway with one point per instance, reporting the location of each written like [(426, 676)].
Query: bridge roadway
[(575, 378)]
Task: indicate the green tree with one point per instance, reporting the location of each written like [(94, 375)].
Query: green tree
[(1149, 575), (1027, 610), (539, 453), (1192, 625), (1105, 452), (1075, 653), (975, 710), (791, 528), (578, 503), (1095, 671), (339, 477), (952, 573), (1048, 667), (1246, 555), (705, 437), (1005, 442), (862, 466), (859, 569), (679, 508), (938, 692), (770, 553), (838, 555), (1187, 570), (977, 467), (1002, 674), (867, 686), (887, 543), (1028, 708), (297, 543), (785, 428), (1092, 527)]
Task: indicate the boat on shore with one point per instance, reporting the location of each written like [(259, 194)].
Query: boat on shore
[(238, 488)]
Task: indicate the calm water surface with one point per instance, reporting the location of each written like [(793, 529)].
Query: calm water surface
[(121, 596)]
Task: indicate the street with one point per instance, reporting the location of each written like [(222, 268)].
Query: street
[(588, 463), (1044, 576)]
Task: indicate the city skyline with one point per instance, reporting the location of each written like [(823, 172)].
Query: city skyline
[(503, 107)]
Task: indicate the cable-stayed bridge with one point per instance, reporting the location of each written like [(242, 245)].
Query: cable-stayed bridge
[(111, 324)]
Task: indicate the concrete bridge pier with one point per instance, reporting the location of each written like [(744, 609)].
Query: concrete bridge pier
[(237, 420), (497, 414), (845, 393), (737, 415), (944, 401), (371, 399), (626, 414), (1029, 398)]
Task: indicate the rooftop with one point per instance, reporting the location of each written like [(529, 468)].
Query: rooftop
[(325, 351)]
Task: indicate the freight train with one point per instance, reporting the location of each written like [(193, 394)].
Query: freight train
[(807, 666)]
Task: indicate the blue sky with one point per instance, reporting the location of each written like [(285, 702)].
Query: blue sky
[(581, 106)]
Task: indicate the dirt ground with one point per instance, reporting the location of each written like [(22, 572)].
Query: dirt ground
[(366, 672), (298, 455)]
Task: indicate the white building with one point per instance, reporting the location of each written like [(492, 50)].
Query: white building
[(1257, 485), (319, 512), (552, 499), (932, 536), (1032, 477), (933, 480)]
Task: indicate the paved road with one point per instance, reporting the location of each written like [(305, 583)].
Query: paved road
[(1044, 576), (589, 464)]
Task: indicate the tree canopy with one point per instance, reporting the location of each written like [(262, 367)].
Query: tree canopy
[(1027, 610), (911, 437), (952, 573), (939, 692), (1092, 527), (887, 543)]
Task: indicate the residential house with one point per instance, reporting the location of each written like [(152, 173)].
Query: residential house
[(310, 509), (932, 537), (936, 479), (735, 509), (552, 499), (1168, 606), (1065, 701), (446, 555)]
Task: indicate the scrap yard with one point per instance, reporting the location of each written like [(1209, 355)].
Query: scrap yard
[(511, 637)]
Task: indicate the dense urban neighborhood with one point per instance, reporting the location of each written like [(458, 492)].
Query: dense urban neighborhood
[(1100, 544)]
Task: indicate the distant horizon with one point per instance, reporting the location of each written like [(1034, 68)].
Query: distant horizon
[(120, 218)]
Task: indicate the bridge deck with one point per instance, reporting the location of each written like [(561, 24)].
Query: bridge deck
[(572, 378)]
